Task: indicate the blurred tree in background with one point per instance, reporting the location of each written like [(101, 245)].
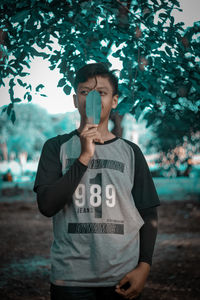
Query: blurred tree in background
[(33, 126), (161, 59)]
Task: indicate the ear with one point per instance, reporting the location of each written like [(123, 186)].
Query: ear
[(115, 101), (75, 100)]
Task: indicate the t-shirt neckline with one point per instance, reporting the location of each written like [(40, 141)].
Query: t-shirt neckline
[(106, 142)]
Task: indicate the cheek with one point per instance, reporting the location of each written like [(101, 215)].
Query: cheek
[(81, 102), (106, 103)]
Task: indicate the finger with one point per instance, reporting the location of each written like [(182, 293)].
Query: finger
[(90, 133), (89, 126), (99, 139), (87, 131), (133, 296), (122, 282), (130, 293), (120, 292), (93, 134)]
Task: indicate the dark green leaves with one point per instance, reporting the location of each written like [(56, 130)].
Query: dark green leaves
[(152, 54), (67, 89), (21, 82), (20, 16), (34, 52), (40, 86), (61, 82), (29, 97), (16, 100)]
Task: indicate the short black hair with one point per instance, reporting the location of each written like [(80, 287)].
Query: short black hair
[(96, 69)]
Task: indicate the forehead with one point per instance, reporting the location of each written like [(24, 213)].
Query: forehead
[(96, 82)]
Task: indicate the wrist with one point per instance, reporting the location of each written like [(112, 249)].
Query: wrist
[(84, 158), (144, 265)]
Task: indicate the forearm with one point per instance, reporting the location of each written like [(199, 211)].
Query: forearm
[(52, 198), (148, 234)]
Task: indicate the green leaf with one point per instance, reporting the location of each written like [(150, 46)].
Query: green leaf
[(11, 83), (29, 97), (124, 106), (43, 95), (4, 109), (25, 63), (15, 100), (163, 15), (67, 89), (21, 82), (61, 82), (29, 87), (196, 75), (176, 2), (93, 107), (168, 50), (30, 23), (195, 85), (25, 95), (155, 2), (20, 16), (52, 67), (24, 74), (40, 86), (138, 112), (10, 107), (34, 52), (13, 117)]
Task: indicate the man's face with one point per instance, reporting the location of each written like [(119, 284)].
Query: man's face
[(105, 89)]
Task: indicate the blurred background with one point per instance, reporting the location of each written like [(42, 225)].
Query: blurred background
[(167, 130)]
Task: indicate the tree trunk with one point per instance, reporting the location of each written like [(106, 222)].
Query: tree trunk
[(117, 119), (4, 150)]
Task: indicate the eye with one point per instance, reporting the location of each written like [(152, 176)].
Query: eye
[(102, 93), (84, 93)]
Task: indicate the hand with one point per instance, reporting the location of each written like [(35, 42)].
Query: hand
[(136, 279), (88, 136)]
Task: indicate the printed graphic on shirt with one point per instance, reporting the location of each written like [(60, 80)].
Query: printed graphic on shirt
[(95, 197), (110, 228), (100, 164), (93, 204)]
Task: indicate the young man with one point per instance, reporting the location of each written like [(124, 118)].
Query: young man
[(99, 191)]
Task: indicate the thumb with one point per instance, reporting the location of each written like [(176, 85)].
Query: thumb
[(122, 282)]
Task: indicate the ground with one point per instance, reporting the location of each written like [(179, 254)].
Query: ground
[(25, 239)]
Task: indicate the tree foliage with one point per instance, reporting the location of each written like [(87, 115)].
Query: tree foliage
[(29, 132), (160, 59), (33, 126)]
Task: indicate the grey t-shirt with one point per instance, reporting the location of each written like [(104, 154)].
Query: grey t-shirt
[(96, 235)]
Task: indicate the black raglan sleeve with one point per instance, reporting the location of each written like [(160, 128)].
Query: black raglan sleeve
[(146, 200), (144, 191), (53, 189)]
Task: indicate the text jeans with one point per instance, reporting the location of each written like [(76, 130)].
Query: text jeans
[(84, 293)]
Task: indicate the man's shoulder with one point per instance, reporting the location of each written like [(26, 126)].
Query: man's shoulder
[(131, 144), (58, 140)]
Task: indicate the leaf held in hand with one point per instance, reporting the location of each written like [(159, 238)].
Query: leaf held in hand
[(93, 107)]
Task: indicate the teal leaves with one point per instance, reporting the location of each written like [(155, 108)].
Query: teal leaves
[(93, 107), (67, 89), (152, 49), (61, 82), (20, 16), (40, 86)]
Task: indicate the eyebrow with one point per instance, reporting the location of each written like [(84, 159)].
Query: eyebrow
[(102, 88), (84, 87), (98, 88)]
